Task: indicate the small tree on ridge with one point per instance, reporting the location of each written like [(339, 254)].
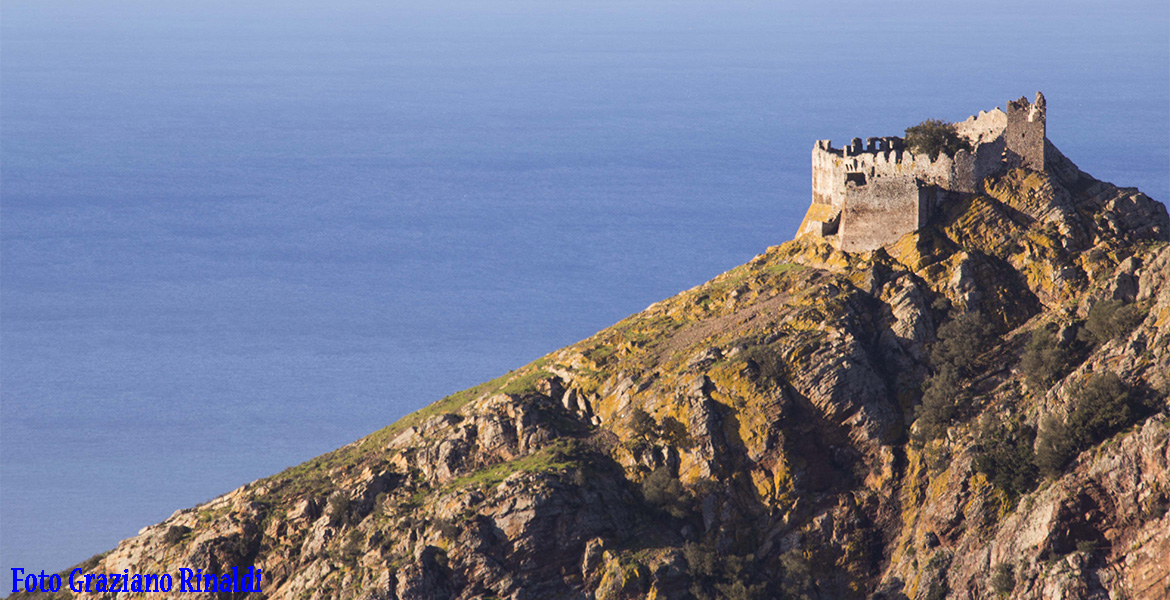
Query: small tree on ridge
[(934, 136)]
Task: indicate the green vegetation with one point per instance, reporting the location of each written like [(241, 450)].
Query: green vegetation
[(1053, 448), (353, 547), (642, 425), (938, 565), (312, 476), (646, 430), (625, 577), (524, 383), (629, 341), (1099, 408), (720, 576), (673, 433), (938, 590), (942, 395), (952, 359), (449, 404), (798, 582), (1004, 455), (738, 590), (564, 454), (766, 364), (663, 490), (1109, 320), (960, 341), (1045, 360), (447, 528), (781, 268), (934, 136), (782, 453), (337, 509), (1003, 579)]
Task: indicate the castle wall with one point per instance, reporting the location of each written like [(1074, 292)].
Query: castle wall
[(828, 176), (871, 193), (832, 167), (988, 159), (882, 211), (985, 127), (985, 133)]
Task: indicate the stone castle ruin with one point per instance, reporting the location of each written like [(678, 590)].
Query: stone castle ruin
[(867, 195)]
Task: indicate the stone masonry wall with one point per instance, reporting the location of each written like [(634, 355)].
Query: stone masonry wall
[(985, 131), (832, 167), (1025, 132), (883, 210), (858, 185), (984, 127)]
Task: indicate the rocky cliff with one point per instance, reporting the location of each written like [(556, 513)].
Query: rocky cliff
[(977, 411)]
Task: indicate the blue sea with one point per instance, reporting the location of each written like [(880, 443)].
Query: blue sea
[(235, 235)]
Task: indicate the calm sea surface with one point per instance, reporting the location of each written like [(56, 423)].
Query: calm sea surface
[(235, 237)]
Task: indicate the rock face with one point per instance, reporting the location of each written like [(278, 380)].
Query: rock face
[(761, 436)]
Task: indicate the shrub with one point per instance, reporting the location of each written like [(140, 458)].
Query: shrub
[(665, 491), (717, 576), (1003, 580), (934, 136), (938, 590), (352, 548), (1053, 447), (338, 508), (702, 561), (939, 564), (673, 432), (1110, 319), (943, 394), (960, 341), (1099, 408), (737, 590), (1004, 455), (379, 508), (798, 581), (642, 424), (765, 364), (939, 561), (1044, 360), (646, 429)]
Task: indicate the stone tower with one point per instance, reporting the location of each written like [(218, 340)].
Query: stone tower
[(1025, 133)]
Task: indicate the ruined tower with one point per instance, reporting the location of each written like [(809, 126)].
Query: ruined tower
[(1024, 134)]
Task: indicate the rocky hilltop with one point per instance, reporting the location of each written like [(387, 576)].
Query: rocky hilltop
[(978, 410)]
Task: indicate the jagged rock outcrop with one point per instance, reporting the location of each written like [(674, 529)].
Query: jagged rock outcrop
[(760, 436)]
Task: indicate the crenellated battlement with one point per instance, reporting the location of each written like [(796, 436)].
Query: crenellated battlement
[(880, 178), (877, 155), (873, 145)]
